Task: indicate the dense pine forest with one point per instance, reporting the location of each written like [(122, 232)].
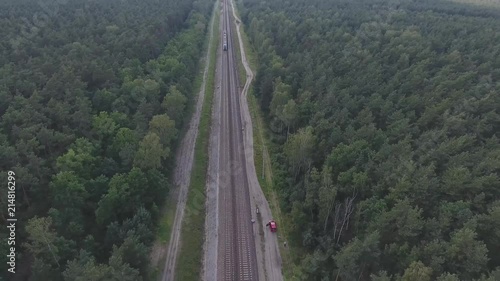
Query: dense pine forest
[(93, 96), (384, 117)]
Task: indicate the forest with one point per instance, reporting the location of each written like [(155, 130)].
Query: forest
[(93, 96), (384, 118)]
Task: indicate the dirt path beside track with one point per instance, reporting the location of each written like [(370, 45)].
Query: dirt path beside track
[(268, 253), (181, 180)]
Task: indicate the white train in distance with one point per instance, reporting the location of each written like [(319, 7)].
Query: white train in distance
[(224, 44)]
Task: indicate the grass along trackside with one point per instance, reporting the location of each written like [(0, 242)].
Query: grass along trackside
[(193, 227), (168, 214)]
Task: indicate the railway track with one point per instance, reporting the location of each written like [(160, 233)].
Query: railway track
[(236, 246)]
